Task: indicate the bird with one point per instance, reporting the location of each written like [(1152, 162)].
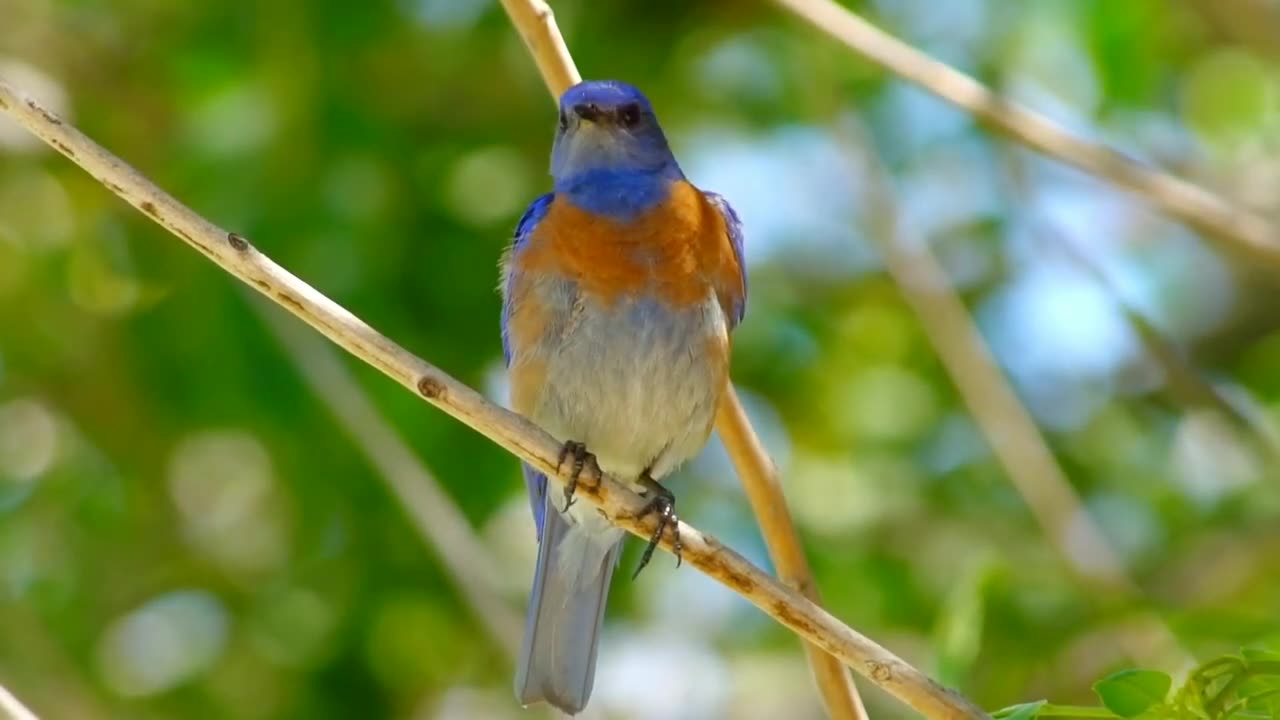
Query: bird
[(620, 290)]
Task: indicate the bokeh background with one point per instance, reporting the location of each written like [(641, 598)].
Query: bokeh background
[(187, 532)]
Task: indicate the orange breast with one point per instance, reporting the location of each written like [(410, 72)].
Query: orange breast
[(676, 251)]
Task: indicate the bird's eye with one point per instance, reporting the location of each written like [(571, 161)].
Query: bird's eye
[(564, 120), (629, 115)]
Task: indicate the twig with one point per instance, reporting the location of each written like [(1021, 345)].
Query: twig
[(536, 24), (1175, 197), (12, 709), (1186, 383), (41, 665), (434, 514), (760, 481), (1254, 23), (512, 432), (1006, 424)]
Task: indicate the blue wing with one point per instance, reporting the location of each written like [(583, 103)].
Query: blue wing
[(734, 226), (536, 481), (536, 211)]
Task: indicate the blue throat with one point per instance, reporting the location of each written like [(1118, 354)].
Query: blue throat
[(618, 193)]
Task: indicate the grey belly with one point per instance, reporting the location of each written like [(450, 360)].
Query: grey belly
[(637, 383)]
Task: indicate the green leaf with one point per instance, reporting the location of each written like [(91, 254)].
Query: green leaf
[(1226, 665), (1254, 655), (1259, 693), (958, 633), (1130, 693), (1025, 711)]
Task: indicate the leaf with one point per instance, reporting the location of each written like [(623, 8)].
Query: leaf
[(1255, 655), (1259, 693), (1025, 711), (1225, 665), (1130, 693), (958, 633)]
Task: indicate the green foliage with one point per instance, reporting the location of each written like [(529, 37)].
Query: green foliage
[(1025, 711), (1130, 693), (185, 531), (1232, 687)]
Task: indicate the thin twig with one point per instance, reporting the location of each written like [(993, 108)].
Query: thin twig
[(437, 519), (536, 24), (759, 478), (12, 709), (1186, 384), (512, 432), (1175, 197), (1008, 427), (1254, 23), (67, 690)]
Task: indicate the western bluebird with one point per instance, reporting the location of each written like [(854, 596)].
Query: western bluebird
[(620, 290)]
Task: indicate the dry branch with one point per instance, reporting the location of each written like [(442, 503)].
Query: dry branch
[(513, 433), (760, 481), (433, 513), (1006, 424), (1173, 196), (1186, 384), (536, 24), (12, 709)]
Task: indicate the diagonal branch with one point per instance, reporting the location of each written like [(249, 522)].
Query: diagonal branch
[(433, 513), (1185, 383), (1173, 196), (760, 481), (1008, 427), (536, 24), (12, 709), (513, 433)]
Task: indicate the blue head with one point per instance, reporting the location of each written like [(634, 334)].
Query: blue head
[(610, 155)]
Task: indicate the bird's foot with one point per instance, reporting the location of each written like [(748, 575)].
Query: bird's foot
[(663, 504), (577, 452)]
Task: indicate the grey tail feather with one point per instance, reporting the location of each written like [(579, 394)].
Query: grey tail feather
[(566, 610)]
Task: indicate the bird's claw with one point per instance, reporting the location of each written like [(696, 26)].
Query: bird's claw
[(663, 505), (581, 459)]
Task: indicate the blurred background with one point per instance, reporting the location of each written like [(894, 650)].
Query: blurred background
[(187, 531)]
